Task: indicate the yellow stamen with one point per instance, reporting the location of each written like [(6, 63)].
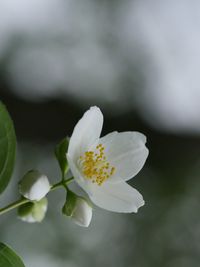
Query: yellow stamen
[(95, 166)]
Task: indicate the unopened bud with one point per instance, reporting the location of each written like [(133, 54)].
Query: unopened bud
[(34, 185), (78, 209), (33, 211)]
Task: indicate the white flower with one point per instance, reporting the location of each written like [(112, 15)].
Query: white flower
[(101, 166), (82, 213), (34, 185), (33, 212)]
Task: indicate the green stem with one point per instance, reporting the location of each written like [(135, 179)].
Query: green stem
[(22, 201), (61, 183), (14, 205)]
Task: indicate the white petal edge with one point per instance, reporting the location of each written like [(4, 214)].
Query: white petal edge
[(126, 151), (119, 197), (28, 218), (86, 132)]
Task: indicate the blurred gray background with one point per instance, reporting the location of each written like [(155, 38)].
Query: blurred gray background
[(139, 62)]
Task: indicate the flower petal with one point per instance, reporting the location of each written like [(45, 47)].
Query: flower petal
[(81, 181), (119, 197), (126, 152), (86, 132)]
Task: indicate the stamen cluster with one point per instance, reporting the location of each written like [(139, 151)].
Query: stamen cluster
[(95, 166)]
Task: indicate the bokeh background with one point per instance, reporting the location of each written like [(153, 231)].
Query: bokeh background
[(139, 62)]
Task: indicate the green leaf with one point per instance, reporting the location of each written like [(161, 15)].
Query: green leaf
[(7, 147), (8, 258), (60, 152)]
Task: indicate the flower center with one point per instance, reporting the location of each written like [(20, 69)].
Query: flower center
[(95, 166)]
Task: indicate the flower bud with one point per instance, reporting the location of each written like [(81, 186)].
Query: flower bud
[(82, 213), (33, 211), (78, 209), (34, 185)]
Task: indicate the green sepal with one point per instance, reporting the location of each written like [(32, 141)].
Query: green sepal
[(70, 203), (25, 209), (60, 152), (7, 147), (8, 258)]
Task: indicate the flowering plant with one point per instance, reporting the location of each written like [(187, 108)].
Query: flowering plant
[(101, 166)]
